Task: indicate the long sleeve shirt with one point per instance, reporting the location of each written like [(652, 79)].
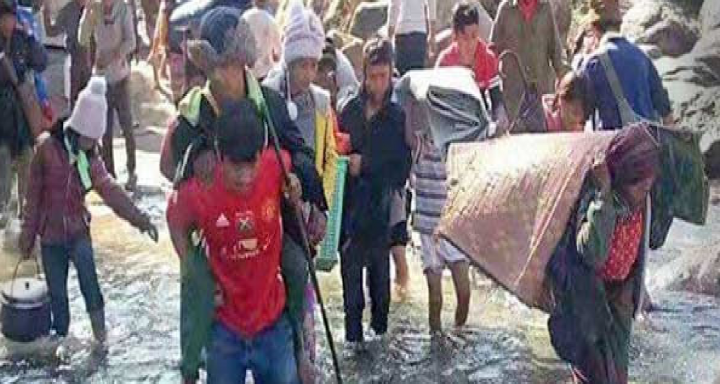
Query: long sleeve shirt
[(639, 79), (68, 23), (536, 42), (55, 208), (114, 36), (408, 16)]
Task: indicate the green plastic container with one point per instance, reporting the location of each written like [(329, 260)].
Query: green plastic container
[(328, 255)]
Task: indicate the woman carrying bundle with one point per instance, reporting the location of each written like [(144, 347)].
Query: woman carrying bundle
[(597, 270)]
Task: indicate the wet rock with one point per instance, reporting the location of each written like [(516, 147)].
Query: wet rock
[(443, 39), (697, 271), (712, 161), (339, 14), (671, 36), (695, 73), (710, 15), (652, 51), (354, 53), (707, 50), (369, 18), (694, 89), (662, 23), (341, 39)]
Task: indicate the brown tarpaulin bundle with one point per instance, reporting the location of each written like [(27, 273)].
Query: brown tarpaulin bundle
[(509, 202)]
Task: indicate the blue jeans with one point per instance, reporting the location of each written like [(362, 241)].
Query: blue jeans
[(56, 261), (269, 355)]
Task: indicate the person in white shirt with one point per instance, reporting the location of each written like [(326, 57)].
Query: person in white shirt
[(266, 31), (411, 24)]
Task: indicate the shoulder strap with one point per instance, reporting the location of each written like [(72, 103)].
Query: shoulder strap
[(627, 115)]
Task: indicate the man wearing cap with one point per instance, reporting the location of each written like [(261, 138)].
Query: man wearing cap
[(621, 75), (224, 51), (23, 53)]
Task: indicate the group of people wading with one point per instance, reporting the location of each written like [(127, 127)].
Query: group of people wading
[(252, 155)]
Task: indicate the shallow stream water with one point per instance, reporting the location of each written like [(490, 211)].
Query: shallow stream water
[(504, 342)]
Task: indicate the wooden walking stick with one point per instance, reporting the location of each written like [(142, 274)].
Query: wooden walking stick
[(307, 250)]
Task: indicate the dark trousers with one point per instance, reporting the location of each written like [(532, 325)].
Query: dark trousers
[(410, 51), (56, 262), (118, 100), (80, 73), (353, 260)]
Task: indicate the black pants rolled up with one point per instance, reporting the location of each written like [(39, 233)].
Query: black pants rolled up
[(355, 257)]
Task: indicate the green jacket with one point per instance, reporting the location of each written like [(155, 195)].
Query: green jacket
[(197, 298), (590, 314)]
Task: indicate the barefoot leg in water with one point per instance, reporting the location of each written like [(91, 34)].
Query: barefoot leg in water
[(435, 300), (402, 276), (461, 279)]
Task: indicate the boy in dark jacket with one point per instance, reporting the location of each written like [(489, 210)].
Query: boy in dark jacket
[(379, 166)]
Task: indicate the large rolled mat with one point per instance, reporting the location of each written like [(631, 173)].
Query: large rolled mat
[(509, 202)]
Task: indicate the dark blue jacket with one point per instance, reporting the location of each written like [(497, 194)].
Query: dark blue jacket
[(639, 79), (386, 161)]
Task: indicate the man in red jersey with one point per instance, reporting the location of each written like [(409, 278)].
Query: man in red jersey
[(239, 216)]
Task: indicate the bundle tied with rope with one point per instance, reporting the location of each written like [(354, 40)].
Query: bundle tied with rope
[(510, 199)]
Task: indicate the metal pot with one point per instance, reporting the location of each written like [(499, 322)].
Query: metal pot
[(25, 313)]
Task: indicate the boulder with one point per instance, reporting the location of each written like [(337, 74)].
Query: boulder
[(341, 39), (443, 39), (694, 89), (710, 15), (707, 51), (338, 14), (672, 37), (369, 18), (712, 161), (695, 73), (662, 23), (697, 271), (354, 53), (652, 51)]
